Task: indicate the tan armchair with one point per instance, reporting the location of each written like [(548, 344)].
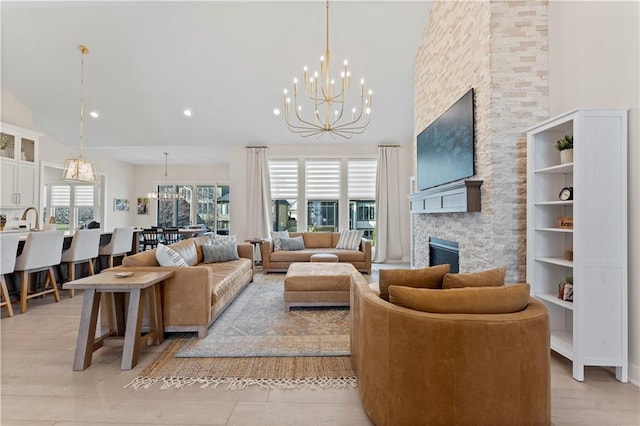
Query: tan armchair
[(419, 368)]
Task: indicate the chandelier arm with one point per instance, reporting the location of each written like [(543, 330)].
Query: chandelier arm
[(310, 127)]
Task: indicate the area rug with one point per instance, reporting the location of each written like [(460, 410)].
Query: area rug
[(256, 325), (324, 372)]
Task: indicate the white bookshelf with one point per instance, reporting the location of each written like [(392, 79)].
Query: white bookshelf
[(591, 330)]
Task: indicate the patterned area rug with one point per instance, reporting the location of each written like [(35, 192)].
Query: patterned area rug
[(256, 325), (255, 343), (325, 372)]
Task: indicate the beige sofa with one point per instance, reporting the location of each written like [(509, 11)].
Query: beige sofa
[(194, 296), (315, 242), (421, 368)]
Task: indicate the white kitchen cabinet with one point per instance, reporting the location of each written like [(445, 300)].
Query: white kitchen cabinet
[(18, 164)]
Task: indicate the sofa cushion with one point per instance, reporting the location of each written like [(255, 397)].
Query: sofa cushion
[(467, 300), (292, 244), (421, 278), (167, 257), (220, 251), (187, 250), (317, 239), (276, 236), (489, 278), (350, 240), (146, 258)]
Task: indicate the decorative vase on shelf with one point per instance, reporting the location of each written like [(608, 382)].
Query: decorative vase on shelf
[(566, 156)]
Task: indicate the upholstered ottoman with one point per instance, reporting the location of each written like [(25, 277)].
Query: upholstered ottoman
[(317, 284), (324, 258)]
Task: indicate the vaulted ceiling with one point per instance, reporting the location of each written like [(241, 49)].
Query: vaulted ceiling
[(227, 61)]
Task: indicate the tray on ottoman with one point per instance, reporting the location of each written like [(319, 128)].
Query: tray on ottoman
[(317, 284)]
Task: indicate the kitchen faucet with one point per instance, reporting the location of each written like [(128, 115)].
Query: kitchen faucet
[(24, 217)]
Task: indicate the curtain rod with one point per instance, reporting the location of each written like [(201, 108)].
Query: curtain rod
[(388, 146), (256, 146)]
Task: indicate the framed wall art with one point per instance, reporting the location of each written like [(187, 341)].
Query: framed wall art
[(120, 205)]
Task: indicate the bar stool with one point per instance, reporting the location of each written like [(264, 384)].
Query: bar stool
[(119, 244), (83, 249), (8, 252), (41, 252)]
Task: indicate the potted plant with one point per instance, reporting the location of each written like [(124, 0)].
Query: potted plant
[(565, 146), (3, 221)]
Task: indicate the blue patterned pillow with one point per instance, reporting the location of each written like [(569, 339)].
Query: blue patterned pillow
[(277, 237), (220, 252), (291, 244)]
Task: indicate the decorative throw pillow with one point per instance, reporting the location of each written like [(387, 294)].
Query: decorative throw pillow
[(489, 278), (292, 244), (231, 239), (468, 300), (419, 278), (166, 256), (276, 236), (221, 252), (350, 240)]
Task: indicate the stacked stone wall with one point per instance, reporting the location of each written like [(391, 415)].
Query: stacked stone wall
[(499, 49)]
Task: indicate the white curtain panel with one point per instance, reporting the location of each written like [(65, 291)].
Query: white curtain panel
[(388, 231), (259, 193)]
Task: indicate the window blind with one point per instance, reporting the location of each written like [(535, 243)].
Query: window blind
[(322, 179), (361, 182), (284, 179), (83, 195), (60, 195)]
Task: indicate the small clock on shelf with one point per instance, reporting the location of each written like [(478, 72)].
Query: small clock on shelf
[(566, 193)]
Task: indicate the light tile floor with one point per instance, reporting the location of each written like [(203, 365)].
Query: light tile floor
[(38, 387)]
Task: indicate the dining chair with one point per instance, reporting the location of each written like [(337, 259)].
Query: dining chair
[(119, 245), (149, 238), (171, 235), (8, 252), (84, 249), (42, 251)]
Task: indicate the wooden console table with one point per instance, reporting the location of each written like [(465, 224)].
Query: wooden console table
[(140, 286)]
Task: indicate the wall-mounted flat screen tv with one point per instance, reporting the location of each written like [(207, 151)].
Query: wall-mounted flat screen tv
[(446, 146)]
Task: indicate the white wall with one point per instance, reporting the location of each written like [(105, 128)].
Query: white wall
[(594, 61)]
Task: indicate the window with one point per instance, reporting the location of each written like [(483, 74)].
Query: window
[(211, 207), (222, 210), (323, 194), (284, 194), (362, 193), (332, 194), (71, 205), (175, 213)]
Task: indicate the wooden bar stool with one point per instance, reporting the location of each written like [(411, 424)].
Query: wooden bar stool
[(83, 249), (119, 245), (8, 252), (41, 252)]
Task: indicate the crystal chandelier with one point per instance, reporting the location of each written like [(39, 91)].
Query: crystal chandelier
[(79, 169), (165, 195), (326, 109)]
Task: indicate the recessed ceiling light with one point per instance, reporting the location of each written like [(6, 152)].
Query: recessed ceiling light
[(94, 114), (276, 111), (187, 112)]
